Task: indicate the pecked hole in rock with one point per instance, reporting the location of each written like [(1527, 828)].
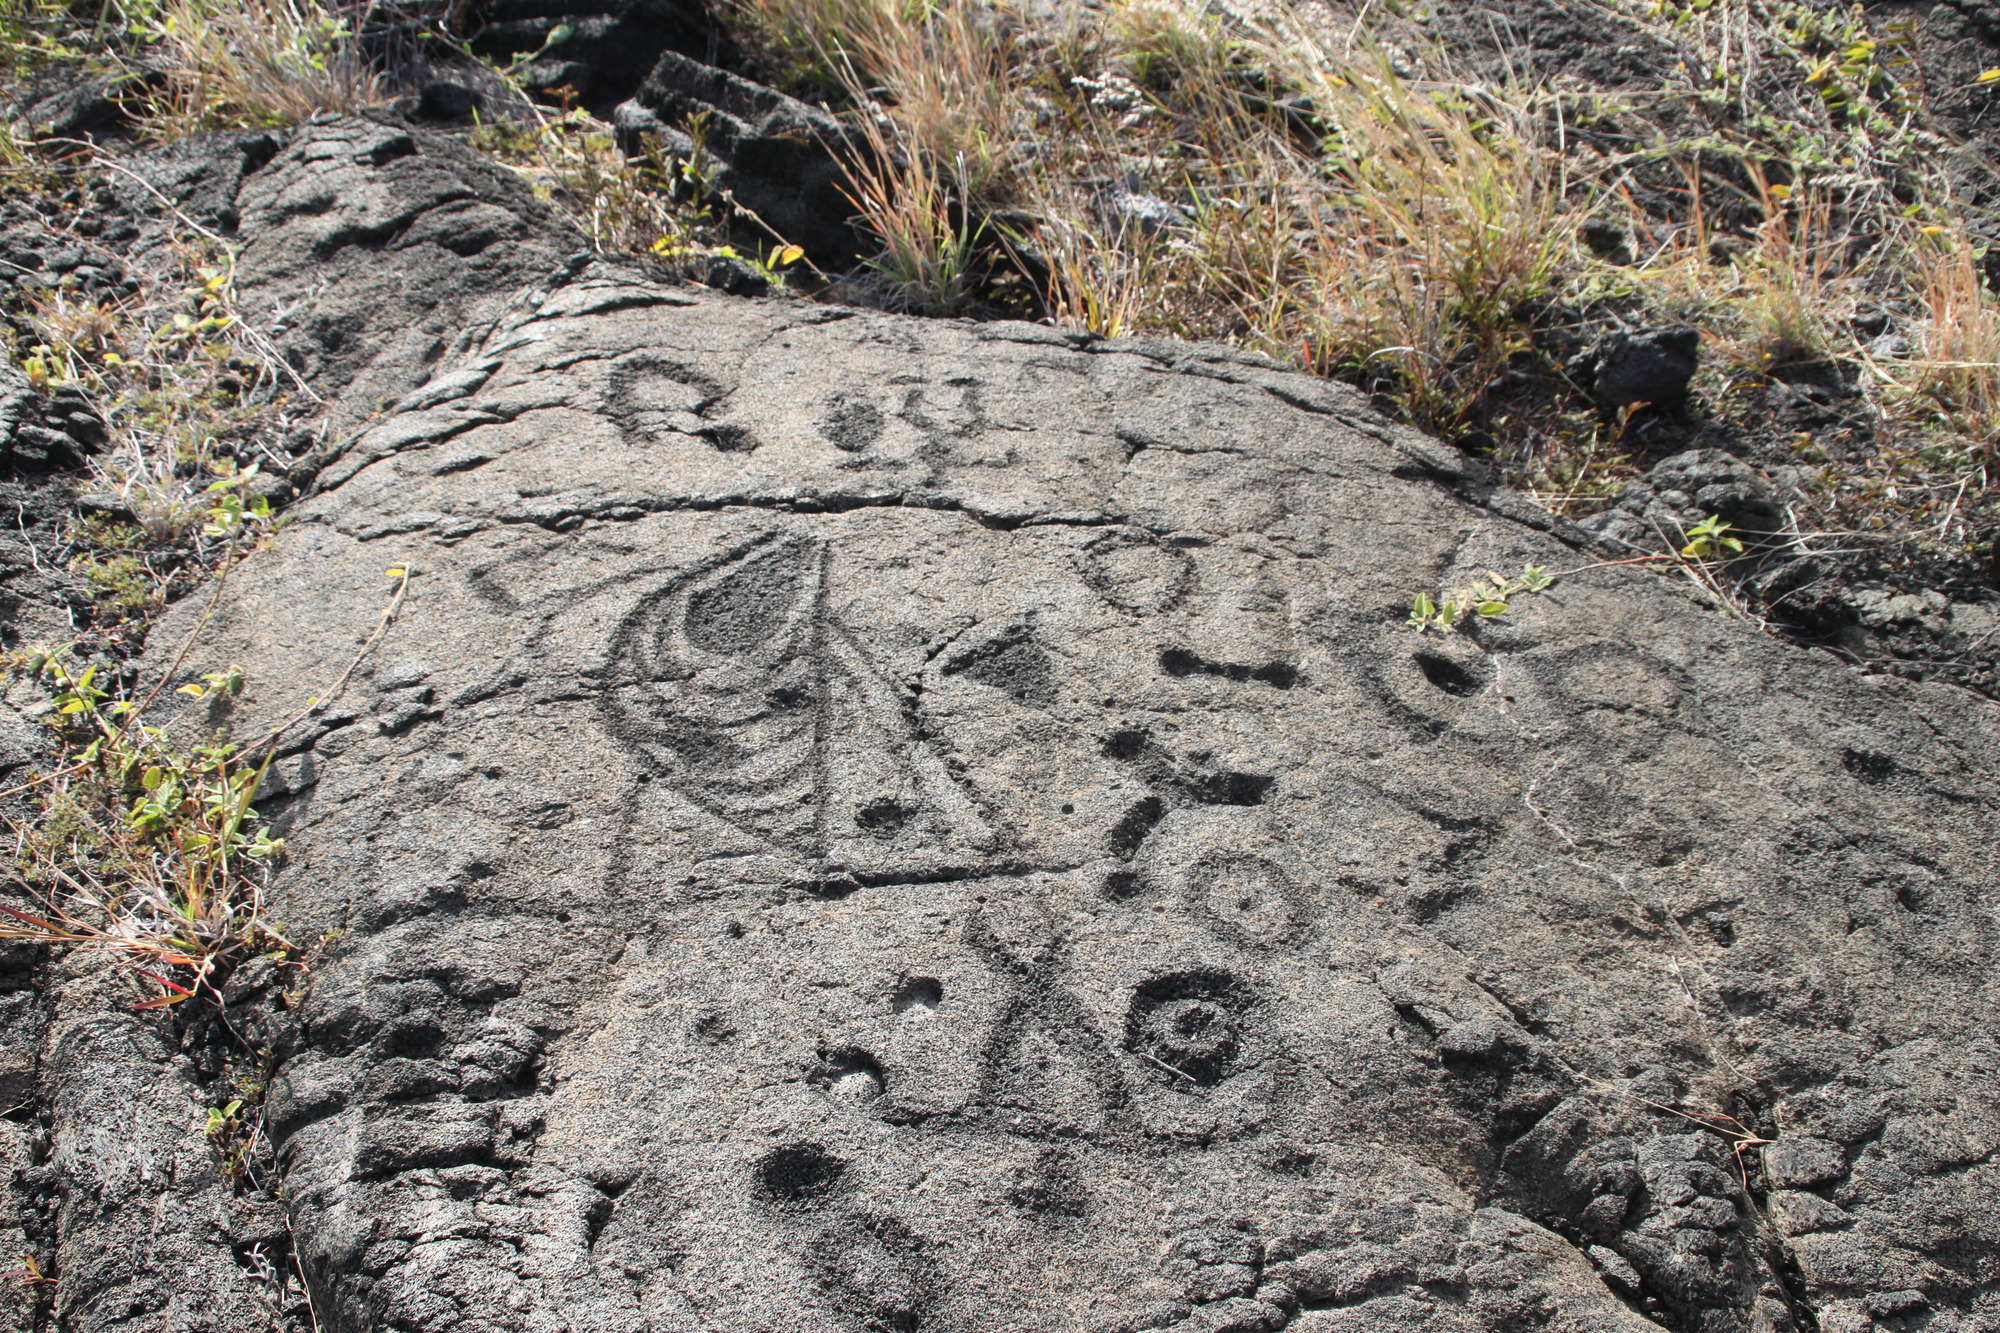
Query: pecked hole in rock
[(1454, 677), (884, 817), (851, 1076), (798, 1174), (1869, 767), (917, 996)]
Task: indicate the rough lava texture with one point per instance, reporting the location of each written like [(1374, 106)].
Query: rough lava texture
[(870, 824), (772, 154), (612, 44), (366, 255)]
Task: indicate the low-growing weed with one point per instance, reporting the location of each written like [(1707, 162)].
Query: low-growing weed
[(146, 844), (236, 1129), (1709, 539), (650, 203), (1487, 600), (192, 404), (144, 847), (254, 63), (1704, 549)]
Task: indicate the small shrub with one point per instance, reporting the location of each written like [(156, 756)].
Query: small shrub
[(651, 204), (184, 388), (146, 845)]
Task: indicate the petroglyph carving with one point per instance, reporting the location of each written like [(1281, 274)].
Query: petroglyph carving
[(739, 687)]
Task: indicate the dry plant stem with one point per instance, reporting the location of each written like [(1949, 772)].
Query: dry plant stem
[(1741, 1137), (257, 62), (265, 347), (333, 691), (312, 1308)]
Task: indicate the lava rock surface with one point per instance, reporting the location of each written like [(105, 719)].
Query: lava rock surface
[(866, 823)]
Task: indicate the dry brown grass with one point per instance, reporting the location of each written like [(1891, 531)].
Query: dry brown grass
[(233, 63), (1398, 252), (1342, 195), (1956, 372), (1418, 234), (187, 392)]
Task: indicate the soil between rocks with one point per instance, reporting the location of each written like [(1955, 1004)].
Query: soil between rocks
[(1877, 600)]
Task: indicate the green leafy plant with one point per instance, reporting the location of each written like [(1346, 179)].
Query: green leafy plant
[(1710, 540), (222, 1119), (146, 848), (37, 33), (185, 390), (147, 845), (230, 514), (1488, 600), (236, 1128)]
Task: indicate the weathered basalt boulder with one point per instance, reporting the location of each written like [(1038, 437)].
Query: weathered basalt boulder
[(1655, 512), (876, 824), (609, 48), (774, 155)]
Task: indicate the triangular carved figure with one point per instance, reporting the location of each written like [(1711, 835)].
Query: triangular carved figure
[(741, 689)]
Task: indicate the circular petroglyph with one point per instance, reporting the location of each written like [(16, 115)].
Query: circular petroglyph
[(1192, 1028), (1249, 899), (851, 1077), (1136, 572), (917, 997)]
